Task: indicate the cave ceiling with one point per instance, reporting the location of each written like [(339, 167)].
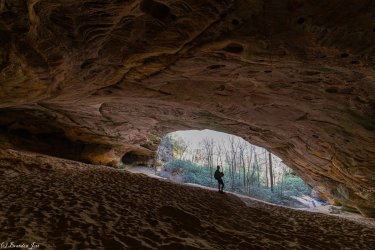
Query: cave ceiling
[(102, 78)]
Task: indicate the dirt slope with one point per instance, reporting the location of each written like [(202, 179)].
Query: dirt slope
[(62, 204)]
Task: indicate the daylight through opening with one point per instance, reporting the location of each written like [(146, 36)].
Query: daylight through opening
[(192, 156)]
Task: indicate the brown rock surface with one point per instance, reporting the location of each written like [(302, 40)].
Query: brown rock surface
[(63, 204), (101, 81)]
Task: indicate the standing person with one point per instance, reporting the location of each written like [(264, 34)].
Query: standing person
[(218, 176)]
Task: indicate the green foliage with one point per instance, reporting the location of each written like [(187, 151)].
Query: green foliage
[(266, 194), (194, 173), (238, 161), (165, 149), (294, 186), (183, 164)]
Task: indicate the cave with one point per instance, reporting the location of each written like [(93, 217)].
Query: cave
[(46, 143), (103, 81), (132, 158)]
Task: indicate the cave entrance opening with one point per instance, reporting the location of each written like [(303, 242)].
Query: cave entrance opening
[(192, 157)]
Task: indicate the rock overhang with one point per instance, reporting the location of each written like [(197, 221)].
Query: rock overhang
[(107, 78)]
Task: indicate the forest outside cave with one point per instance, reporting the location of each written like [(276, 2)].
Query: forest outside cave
[(191, 157)]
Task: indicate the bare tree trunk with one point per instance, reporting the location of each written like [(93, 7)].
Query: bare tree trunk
[(248, 177), (271, 174), (229, 161), (208, 149), (242, 148), (250, 168), (266, 166), (257, 167), (282, 182), (244, 173), (211, 172), (220, 151), (233, 159)]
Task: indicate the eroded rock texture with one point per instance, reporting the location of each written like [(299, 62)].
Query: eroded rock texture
[(62, 204), (101, 81)]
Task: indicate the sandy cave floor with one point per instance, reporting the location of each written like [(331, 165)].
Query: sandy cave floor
[(61, 204), (355, 217)]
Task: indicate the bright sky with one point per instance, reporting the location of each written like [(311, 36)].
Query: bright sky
[(194, 137)]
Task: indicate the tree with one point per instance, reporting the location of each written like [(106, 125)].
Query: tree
[(266, 167), (241, 153), (231, 157), (219, 154), (179, 147), (249, 169), (198, 156), (250, 164), (172, 147), (257, 167), (270, 165), (165, 151), (208, 149)]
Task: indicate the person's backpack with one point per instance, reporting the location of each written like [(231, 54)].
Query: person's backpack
[(217, 175)]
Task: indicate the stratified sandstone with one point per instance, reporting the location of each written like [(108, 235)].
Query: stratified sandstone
[(101, 81)]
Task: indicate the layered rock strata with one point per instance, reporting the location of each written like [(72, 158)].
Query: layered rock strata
[(102, 81)]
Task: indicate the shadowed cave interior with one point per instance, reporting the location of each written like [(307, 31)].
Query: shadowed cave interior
[(99, 83)]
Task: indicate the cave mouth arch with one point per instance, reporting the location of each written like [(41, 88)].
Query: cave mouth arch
[(191, 156)]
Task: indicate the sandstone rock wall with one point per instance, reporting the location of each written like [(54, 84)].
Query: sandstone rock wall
[(99, 79)]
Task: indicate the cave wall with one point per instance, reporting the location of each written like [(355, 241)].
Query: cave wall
[(104, 78)]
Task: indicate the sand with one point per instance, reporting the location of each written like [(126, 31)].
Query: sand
[(61, 204), (325, 209)]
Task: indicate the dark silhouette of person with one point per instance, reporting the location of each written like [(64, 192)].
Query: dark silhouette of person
[(218, 176)]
